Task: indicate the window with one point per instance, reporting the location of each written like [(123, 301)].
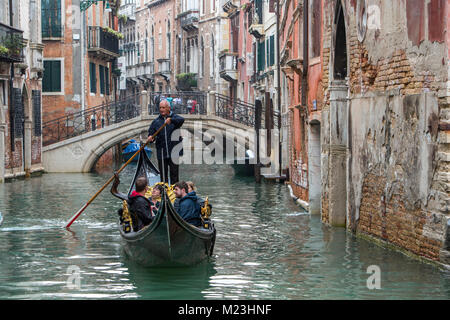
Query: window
[(3, 93), (272, 50), (202, 58), (212, 54), (101, 70), (93, 77), (107, 81), (315, 32), (36, 96), (51, 81), (261, 56), (51, 19), (168, 41)]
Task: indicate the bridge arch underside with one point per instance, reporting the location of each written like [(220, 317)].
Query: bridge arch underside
[(80, 154)]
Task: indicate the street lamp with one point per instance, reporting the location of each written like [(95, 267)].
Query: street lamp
[(85, 4)]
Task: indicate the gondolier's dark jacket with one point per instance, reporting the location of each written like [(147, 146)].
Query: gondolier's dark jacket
[(164, 143), (189, 209), (142, 208)]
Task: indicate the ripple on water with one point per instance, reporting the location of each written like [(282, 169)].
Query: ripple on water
[(266, 247)]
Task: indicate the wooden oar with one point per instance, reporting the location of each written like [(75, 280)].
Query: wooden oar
[(79, 212)]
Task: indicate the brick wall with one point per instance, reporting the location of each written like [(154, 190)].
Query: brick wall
[(389, 219), (386, 206)]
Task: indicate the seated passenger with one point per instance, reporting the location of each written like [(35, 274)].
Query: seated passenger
[(188, 208), (192, 190), (139, 204), (156, 198)]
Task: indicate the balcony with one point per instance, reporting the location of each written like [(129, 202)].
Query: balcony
[(11, 44), (164, 67), (131, 72), (145, 70), (189, 20), (228, 66), (128, 10), (255, 20), (229, 6), (103, 44)]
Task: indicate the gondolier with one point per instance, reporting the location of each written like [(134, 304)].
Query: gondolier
[(164, 144)]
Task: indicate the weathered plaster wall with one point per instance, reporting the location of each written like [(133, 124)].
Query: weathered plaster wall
[(393, 165), (398, 137)]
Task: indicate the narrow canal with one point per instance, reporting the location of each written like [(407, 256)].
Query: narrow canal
[(266, 248)]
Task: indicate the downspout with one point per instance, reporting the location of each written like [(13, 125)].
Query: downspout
[(11, 86), (279, 88), (304, 101)]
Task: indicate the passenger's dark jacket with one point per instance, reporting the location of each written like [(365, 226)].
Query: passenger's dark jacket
[(140, 206), (189, 209), (164, 146)]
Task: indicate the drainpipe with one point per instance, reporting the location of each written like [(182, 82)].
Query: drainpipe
[(11, 86), (82, 42), (305, 54), (279, 87)]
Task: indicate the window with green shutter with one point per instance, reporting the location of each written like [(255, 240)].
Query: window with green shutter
[(51, 18), (51, 81), (101, 70), (272, 50), (107, 81), (261, 56), (93, 77)]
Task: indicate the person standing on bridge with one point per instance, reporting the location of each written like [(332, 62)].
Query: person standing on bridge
[(164, 144)]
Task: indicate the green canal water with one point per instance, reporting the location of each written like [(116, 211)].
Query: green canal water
[(266, 248)]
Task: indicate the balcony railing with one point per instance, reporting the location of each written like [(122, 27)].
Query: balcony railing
[(11, 44), (131, 71), (255, 20), (229, 5), (164, 66), (103, 43), (228, 66), (145, 69), (189, 20)]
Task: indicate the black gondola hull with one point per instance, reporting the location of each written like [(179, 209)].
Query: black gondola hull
[(168, 240)]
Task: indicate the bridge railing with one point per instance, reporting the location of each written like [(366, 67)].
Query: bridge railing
[(235, 110), (182, 102), (243, 112), (91, 119)]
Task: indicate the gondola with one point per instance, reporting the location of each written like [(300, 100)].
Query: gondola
[(168, 240), (131, 147)]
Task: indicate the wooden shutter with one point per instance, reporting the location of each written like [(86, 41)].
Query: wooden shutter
[(272, 50), (56, 76), (261, 56), (107, 81), (51, 81), (46, 79), (18, 113), (93, 77), (36, 97), (45, 18), (101, 70)]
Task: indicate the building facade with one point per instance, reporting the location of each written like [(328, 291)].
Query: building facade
[(21, 72), (81, 48), (369, 121)]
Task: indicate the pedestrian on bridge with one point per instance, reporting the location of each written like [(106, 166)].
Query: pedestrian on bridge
[(167, 167)]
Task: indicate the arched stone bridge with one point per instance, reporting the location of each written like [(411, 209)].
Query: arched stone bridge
[(80, 153)]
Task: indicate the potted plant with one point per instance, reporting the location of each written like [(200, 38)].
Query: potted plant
[(13, 44), (185, 81)]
